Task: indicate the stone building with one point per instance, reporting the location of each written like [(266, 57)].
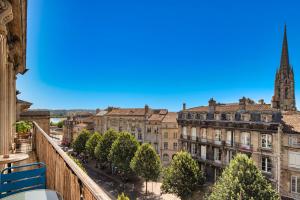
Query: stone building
[(213, 134), (13, 21), (169, 137), (269, 134), (74, 124), (42, 117), (146, 124)]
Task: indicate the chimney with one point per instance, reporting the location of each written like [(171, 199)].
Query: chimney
[(183, 106), (242, 103), (146, 108), (261, 101), (212, 105)]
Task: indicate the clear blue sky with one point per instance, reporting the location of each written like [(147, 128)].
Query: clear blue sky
[(89, 54)]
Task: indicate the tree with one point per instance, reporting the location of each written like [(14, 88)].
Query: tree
[(122, 151), (146, 163), (123, 197), (183, 176), (104, 145), (60, 124), (242, 180), (92, 143), (79, 143)]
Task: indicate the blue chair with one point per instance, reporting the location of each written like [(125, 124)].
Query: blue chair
[(21, 181)]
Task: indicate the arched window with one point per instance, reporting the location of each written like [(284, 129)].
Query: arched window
[(286, 92)]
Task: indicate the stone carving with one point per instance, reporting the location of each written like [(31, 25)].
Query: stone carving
[(6, 14)]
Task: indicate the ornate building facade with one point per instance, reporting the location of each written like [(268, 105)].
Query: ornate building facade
[(268, 133), (13, 20)]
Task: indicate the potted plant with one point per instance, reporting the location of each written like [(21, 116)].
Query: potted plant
[(23, 129)]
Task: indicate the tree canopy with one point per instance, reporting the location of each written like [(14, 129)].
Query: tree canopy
[(92, 143), (122, 151), (242, 180), (123, 197), (146, 163), (79, 143), (183, 176), (104, 145)]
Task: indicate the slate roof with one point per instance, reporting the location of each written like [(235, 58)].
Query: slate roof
[(234, 107)]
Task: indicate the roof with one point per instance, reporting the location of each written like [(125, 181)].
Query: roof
[(19, 101), (101, 113), (127, 111), (234, 107), (291, 120), (36, 113), (170, 117), (156, 117)]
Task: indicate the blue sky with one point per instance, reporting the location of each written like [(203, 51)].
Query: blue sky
[(92, 54)]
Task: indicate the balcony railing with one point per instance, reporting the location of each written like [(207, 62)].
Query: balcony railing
[(63, 174)]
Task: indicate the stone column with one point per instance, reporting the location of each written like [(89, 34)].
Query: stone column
[(5, 17)]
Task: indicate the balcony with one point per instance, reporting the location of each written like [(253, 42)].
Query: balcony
[(62, 173), (244, 147)]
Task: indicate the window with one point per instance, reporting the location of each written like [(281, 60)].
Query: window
[(193, 149), (230, 138), (165, 157), (217, 136), (166, 135), (175, 146), (286, 93), (265, 118), (184, 146), (203, 136), (175, 135), (166, 146), (266, 141), (229, 156), (140, 136), (217, 155), (294, 159), (194, 133), (203, 152), (245, 140), (294, 141), (266, 164), (295, 186), (184, 133)]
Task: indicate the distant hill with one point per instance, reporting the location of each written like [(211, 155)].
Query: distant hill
[(66, 112)]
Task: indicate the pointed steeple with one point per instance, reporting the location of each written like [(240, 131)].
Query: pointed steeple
[(284, 62)]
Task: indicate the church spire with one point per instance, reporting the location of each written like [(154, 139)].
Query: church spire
[(284, 62)]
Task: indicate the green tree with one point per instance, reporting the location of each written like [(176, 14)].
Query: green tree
[(60, 124), (79, 143), (183, 176), (123, 197), (92, 143), (122, 151), (104, 145), (242, 180), (146, 163)]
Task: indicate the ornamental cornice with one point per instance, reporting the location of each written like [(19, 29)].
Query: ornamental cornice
[(6, 15)]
